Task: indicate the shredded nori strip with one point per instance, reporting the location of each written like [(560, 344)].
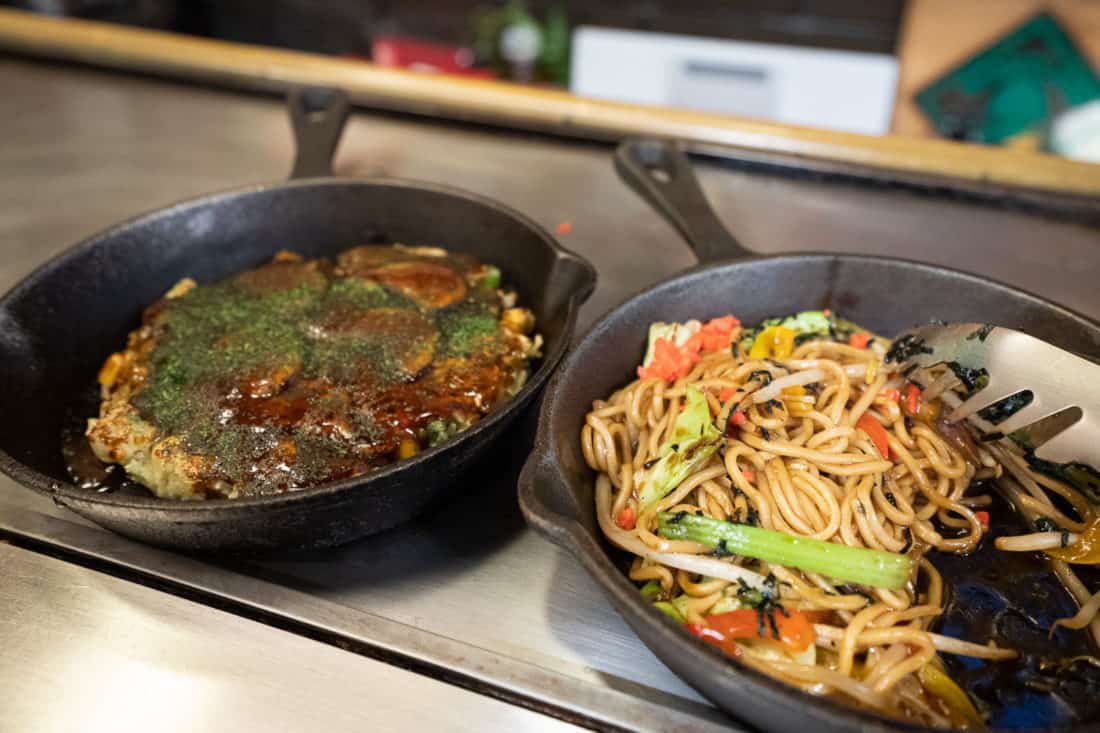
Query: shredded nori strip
[(770, 615), (763, 374), (731, 429), (758, 598), (1000, 411), (1080, 476), (973, 379), (982, 333), (906, 348), (802, 338)]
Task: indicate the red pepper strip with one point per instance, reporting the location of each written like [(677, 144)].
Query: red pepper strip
[(796, 632), (710, 636), (734, 423), (670, 362), (725, 393), (750, 475), (725, 323), (626, 519), (714, 335), (893, 395), (983, 517), (912, 400), (868, 424), (694, 344), (859, 340)]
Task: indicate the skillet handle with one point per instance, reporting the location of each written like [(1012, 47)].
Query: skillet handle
[(660, 172), (546, 503), (317, 115)]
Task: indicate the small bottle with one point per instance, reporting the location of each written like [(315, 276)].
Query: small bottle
[(519, 46)]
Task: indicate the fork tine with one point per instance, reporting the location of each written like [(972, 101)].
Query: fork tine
[(1033, 412), (1062, 419), (1076, 444), (1046, 428)]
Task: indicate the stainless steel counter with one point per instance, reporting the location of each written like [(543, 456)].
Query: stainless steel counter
[(466, 594), (90, 652)]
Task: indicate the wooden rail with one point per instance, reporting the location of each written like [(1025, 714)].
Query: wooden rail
[(271, 69)]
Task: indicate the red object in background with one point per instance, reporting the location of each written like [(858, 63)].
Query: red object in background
[(425, 56)]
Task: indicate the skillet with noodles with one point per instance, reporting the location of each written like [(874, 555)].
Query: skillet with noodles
[(786, 495)]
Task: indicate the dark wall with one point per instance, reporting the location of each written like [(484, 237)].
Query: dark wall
[(346, 26)]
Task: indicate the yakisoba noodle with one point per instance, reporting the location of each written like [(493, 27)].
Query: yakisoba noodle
[(794, 458)]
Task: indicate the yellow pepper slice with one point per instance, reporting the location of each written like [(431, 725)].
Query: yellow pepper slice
[(774, 342), (872, 371), (1085, 551), (939, 684), (407, 449)]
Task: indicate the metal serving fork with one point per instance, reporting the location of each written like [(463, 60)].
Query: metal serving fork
[(1060, 420)]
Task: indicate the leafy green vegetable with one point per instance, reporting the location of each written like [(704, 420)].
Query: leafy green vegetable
[(492, 277), (758, 597), (727, 603), (680, 604), (670, 610), (1080, 476), (437, 431), (651, 590), (694, 440), (806, 325), (853, 564), (807, 322), (676, 333)]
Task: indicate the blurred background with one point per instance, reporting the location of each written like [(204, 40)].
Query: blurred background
[(1020, 73)]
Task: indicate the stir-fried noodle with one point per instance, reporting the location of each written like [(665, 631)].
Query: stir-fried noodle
[(798, 454)]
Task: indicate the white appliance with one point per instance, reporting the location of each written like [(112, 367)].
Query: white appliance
[(838, 90)]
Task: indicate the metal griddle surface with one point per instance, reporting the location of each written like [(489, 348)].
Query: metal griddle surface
[(465, 593)]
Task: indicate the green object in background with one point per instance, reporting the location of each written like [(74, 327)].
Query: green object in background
[(1014, 86), (554, 56), (551, 63)]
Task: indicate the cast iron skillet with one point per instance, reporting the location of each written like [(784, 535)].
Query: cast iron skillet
[(60, 323), (884, 294)]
